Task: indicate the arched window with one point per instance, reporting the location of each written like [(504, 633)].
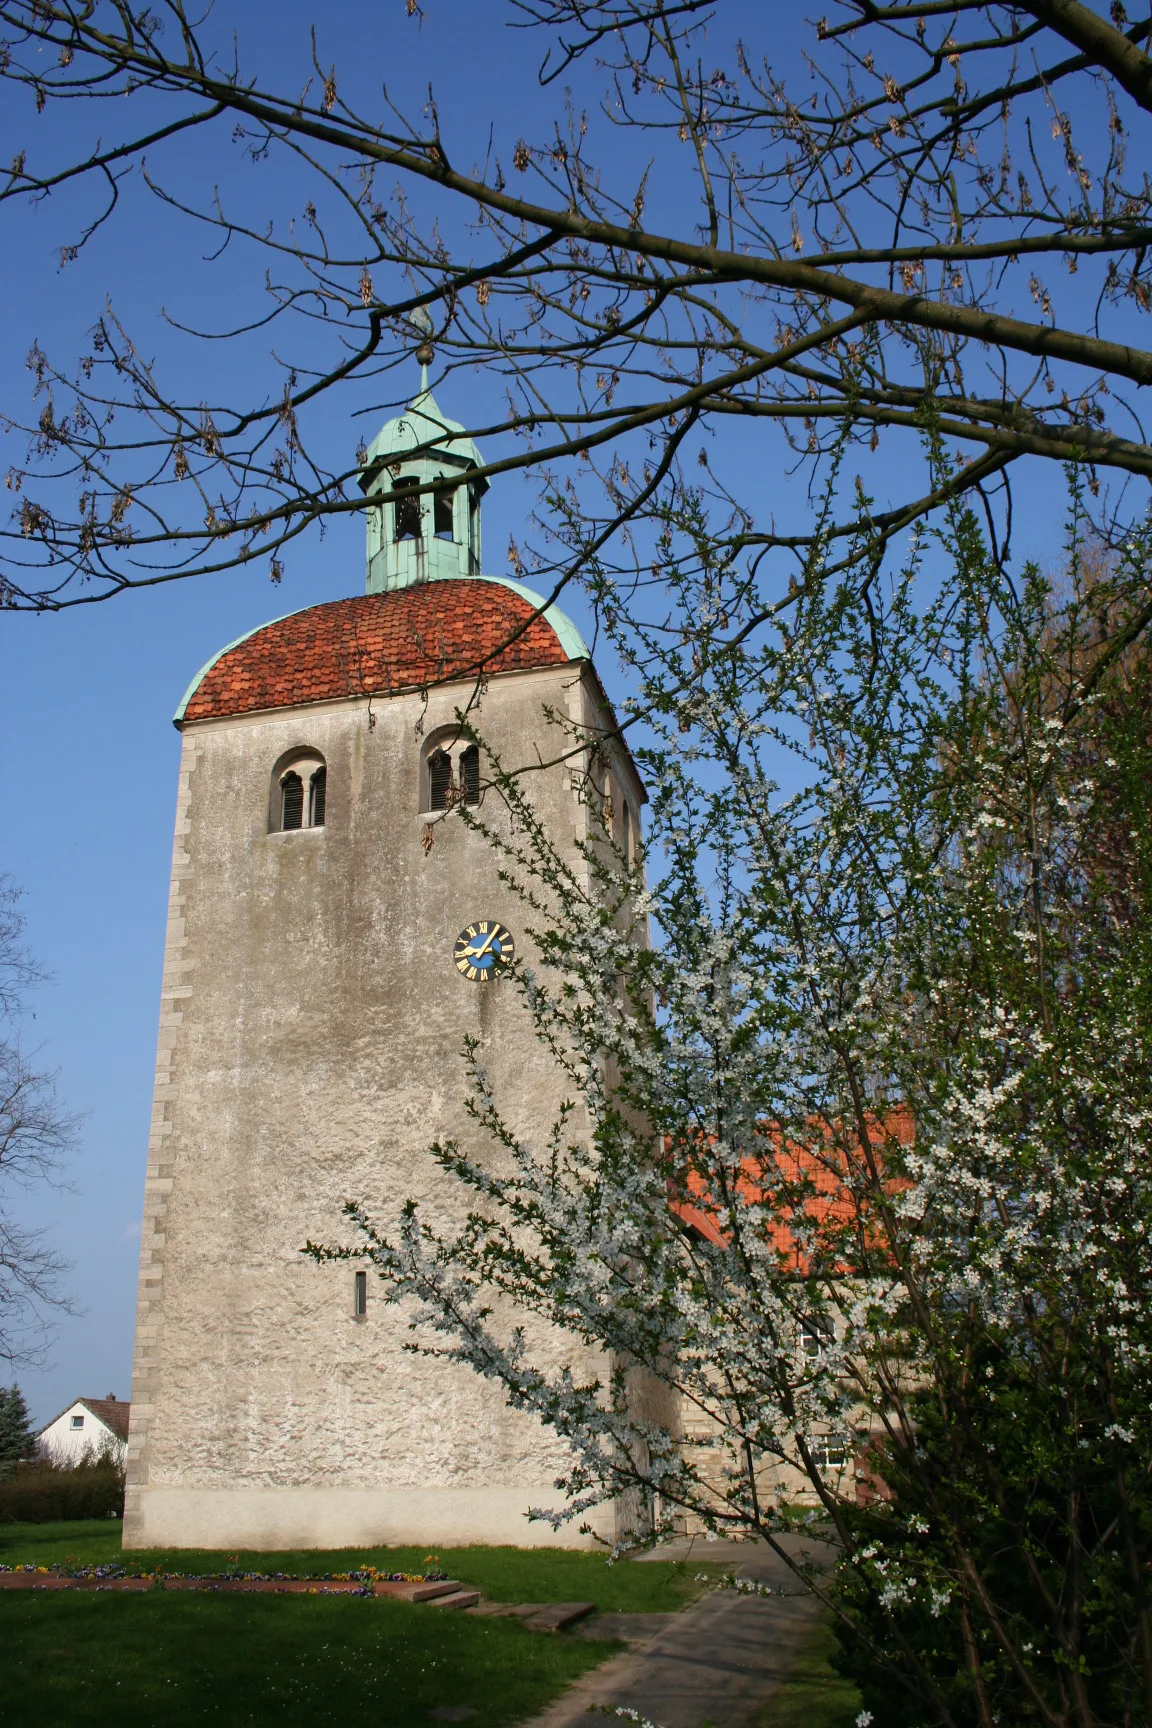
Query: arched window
[(299, 792), (439, 780), (449, 770), (291, 801), (470, 775), (317, 789)]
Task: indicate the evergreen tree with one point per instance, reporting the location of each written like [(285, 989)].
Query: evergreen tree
[(17, 1440)]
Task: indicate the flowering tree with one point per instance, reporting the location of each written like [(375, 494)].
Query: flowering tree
[(857, 1164)]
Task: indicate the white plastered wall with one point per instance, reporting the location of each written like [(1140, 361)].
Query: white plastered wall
[(310, 1030)]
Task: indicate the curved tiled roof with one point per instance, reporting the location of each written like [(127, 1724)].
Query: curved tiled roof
[(377, 643)]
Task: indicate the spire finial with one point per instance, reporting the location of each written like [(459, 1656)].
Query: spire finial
[(423, 322)]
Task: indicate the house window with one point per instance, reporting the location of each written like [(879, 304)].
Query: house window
[(443, 513), (829, 1451), (77, 1421), (406, 509), (439, 780), (360, 1296), (817, 1334), (470, 775), (299, 792)]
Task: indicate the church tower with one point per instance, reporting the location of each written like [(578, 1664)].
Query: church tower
[(315, 1000)]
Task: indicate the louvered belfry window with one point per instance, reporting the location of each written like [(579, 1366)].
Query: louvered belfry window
[(317, 790), (443, 511), (407, 508), (470, 775), (439, 780), (291, 801)]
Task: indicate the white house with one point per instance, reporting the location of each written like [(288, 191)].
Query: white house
[(89, 1427)]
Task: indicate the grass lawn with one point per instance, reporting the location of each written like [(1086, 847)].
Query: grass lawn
[(176, 1659), (501, 1574), (814, 1695)]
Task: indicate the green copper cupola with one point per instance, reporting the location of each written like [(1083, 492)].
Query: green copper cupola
[(433, 535)]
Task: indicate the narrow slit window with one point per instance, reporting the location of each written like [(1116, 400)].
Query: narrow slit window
[(291, 801), (406, 509), (470, 775), (443, 513), (439, 780), (317, 792), (626, 834), (360, 1296), (473, 528)]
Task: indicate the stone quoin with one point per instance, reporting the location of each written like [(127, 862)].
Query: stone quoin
[(312, 1017)]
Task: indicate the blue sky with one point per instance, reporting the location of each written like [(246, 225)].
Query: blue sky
[(88, 778)]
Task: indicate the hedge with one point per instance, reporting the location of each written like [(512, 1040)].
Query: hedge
[(41, 1492)]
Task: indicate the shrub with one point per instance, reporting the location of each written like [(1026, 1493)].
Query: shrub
[(1041, 1511)]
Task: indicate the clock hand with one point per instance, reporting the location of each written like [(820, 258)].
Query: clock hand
[(483, 948)]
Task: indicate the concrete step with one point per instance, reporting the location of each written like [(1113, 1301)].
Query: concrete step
[(458, 1599), (558, 1615)]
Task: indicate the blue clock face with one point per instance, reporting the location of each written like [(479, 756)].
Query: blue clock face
[(483, 950)]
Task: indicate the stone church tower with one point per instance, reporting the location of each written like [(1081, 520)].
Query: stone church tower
[(316, 996)]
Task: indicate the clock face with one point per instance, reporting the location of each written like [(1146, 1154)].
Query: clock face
[(483, 950)]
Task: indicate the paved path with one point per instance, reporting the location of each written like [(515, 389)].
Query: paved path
[(716, 1662)]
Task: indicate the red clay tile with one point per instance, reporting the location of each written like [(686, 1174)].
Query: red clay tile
[(378, 643)]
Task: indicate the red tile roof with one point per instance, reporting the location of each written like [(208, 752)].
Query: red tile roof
[(375, 644), (821, 1171), (113, 1412)]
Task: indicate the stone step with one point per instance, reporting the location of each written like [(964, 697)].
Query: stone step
[(421, 1591), (558, 1615), (458, 1599), (510, 1610)]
